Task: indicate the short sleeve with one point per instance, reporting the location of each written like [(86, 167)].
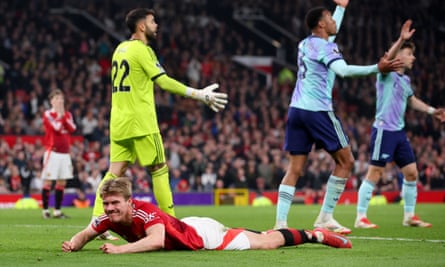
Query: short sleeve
[(330, 53)]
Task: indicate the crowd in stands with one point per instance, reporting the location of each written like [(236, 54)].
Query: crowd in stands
[(238, 147)]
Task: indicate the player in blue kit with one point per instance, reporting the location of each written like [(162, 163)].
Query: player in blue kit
[(311, 118), (389, 142)]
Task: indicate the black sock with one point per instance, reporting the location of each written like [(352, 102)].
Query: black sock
[(45, 198), (293, 237)]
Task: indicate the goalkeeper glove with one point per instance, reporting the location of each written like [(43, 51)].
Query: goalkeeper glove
[(216, 101)]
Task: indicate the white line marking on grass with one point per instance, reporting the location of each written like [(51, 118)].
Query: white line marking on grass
[(396, 239), (47, 226)]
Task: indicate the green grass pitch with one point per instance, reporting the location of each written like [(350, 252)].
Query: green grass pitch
[(28, 240)]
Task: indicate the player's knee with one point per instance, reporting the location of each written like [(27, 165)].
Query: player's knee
[(346, 163), (411, 176)]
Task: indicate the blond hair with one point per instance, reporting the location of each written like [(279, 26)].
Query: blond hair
[(54, 93), (117, 186)]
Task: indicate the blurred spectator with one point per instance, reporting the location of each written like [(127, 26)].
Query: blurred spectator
[(208, 178), (81, 201), (89, 123)]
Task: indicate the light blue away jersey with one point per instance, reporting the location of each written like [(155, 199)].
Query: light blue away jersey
[(313, 89), (393, 92)]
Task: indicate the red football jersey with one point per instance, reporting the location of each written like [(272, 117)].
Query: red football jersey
[(178, 235), (57, 131)]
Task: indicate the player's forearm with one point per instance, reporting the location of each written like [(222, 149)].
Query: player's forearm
[(395, 48), (338, 17), (79, 240), (142, 245), (56, 125), (421, 106), (171, 85), (69, 123), (344, 70)]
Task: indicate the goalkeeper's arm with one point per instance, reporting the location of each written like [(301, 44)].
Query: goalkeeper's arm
[(216, 101)]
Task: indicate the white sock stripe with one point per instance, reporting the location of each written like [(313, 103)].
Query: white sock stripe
[(286, 196)]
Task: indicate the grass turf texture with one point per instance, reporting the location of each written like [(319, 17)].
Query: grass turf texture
[(28, 240)]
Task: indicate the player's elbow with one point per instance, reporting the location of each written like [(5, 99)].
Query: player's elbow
[(154, 243), (341, 74), (158, 245)]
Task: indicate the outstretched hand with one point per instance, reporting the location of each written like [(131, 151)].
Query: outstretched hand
[(385, 65), (406, 31), (439, 114), (342, 3), (216, 101)]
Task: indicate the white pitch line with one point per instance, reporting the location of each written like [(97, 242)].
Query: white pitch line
[(396, 239), (46, 226)]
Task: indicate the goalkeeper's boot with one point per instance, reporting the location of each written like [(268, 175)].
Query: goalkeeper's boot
[(415, 221), (364, 223), (106, 236), (331, 239), (332, 225)]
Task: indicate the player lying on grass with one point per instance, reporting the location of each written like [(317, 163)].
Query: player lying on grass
[(147, 228)]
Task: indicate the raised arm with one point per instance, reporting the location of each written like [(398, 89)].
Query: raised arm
[(338, 15), (405, 34)]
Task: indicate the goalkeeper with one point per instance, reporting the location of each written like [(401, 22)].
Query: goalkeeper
[(134, 130)]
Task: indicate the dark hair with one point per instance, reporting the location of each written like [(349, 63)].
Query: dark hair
[(409, 45), (313, 16), (54, 93), (135, 15)]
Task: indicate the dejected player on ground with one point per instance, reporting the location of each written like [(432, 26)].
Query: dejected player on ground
[(147, 228)]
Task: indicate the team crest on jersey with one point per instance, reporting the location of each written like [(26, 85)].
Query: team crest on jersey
[(151, 216)]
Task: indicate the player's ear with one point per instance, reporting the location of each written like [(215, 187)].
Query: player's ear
[(140, 25)]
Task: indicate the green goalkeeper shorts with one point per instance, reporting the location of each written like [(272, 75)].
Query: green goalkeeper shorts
[(148, 150)]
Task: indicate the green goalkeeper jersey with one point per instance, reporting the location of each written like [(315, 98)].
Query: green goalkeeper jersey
[(133, 109)]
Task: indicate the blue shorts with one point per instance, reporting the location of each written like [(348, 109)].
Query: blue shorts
[(305, 128), (389, 146)]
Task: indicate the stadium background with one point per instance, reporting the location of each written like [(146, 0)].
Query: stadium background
[(68, 45)]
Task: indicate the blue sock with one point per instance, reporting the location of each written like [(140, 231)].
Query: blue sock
[(334, 189), (409, 195), (364, 196), (285, 197)]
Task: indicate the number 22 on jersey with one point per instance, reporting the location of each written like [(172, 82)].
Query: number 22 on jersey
[(119, 72)]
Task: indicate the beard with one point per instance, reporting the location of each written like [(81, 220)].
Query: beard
[(150, 35)]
